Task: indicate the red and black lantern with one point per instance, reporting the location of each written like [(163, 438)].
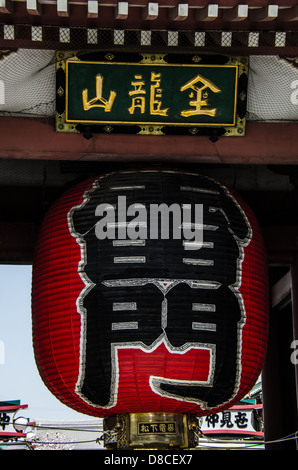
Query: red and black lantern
[(128, 318)]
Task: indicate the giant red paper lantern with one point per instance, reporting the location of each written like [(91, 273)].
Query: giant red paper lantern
[(141, 324)]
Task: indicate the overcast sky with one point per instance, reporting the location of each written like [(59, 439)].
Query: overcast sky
[(19, 377)]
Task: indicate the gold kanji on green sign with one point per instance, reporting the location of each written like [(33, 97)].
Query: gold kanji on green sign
[(153, 94)]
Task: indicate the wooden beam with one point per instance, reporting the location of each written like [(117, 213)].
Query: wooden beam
[(34, 7), (62, 8), (237, 13), (267, 13), (121, 11), (264, 143), (92, 9), (179, 12), (289, 14), (6, 6), (281, 238), (222, 16), (208, 13), (281, 291), (17, 242), (150, 12)]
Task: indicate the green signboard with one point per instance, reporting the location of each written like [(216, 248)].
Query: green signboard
[(149, 93)]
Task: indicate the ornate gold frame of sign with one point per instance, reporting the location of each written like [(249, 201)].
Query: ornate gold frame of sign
[(71, 116), (151, 431)]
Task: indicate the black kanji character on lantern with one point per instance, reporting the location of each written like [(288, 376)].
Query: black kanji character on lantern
[(141, 292)]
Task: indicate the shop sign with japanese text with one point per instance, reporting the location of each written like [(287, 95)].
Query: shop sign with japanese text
[(7, 423), (233, 421), (113, 93)]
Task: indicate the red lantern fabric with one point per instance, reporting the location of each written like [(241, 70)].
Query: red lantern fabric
[(123, 326)]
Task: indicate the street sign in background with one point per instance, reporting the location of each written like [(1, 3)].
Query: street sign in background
[(238, 420), (10, 426)]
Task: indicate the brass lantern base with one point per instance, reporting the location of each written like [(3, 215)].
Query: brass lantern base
[(151, 431)]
